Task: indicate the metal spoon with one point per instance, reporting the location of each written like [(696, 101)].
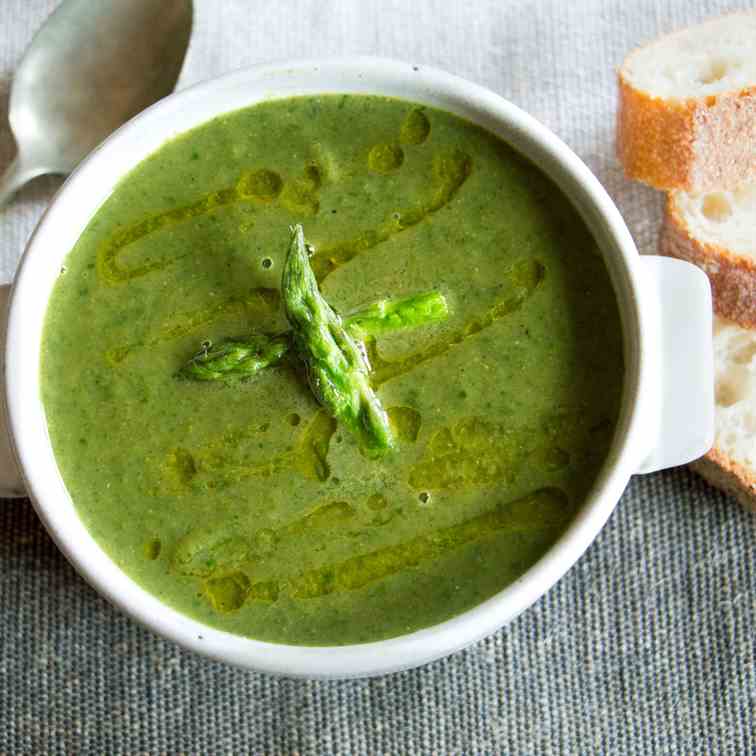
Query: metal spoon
[(90, 68)]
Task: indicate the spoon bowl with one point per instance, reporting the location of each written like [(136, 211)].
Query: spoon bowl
[(90, 68)]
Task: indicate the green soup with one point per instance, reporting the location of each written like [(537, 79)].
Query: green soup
[(245, 505)]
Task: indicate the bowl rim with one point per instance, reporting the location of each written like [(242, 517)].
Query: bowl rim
[(359, 74)]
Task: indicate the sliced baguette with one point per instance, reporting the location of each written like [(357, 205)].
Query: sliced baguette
[(717, 232), (687, 107), (731, 464)]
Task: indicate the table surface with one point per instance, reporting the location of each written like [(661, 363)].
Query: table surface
[(646, 646)]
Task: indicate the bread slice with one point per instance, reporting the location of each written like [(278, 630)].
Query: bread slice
[(717, 232), (687, 107), (731, 464)]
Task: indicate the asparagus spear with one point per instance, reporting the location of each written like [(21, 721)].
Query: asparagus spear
[(394, 314), (236, 359), (337, 368)]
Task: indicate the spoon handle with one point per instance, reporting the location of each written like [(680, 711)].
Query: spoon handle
[(15, 176)]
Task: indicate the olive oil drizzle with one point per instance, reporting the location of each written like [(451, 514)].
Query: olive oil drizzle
[(520, 281), (209, 550), (258, 303), (546, 508), (475, 453), (450, 171), (213, 469), (468, 454), (298, 195), (215, 465)]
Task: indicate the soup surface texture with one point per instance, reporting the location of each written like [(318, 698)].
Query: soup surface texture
[(246, 506)]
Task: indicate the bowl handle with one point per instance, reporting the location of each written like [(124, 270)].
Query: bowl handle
[(11, 482), (681, 417)]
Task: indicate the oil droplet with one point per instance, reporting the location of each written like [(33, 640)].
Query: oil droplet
[(405, 422), (476, 452), (267, 263), (204, 550), (263, 184), (152, 549), (415, 128), (312, 447), (385, 158), (471, 453), (267, 590), (314, 175), (178, 470), (299, 196), (227, 594), (331, 514)]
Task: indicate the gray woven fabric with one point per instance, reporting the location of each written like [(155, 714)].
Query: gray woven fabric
[(645, 647)]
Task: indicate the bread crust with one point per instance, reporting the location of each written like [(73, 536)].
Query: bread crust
[(724, 473), (696, 144), (654, 137), (732, 277)]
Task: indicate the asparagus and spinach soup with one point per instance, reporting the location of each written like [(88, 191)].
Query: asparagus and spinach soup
[(331, 369)]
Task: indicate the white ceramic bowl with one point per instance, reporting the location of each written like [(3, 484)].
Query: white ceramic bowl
[(667, 411)]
